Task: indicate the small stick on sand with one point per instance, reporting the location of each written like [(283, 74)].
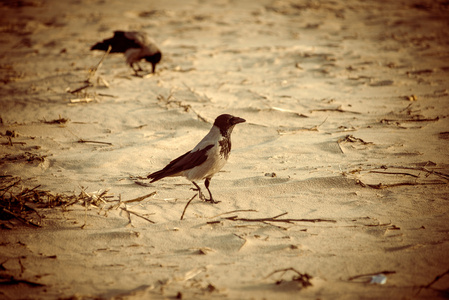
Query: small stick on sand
[(136, 214), (95, 69), (61, 120), (182, 216), (23, 220), (303, 279), (138, 199), (141, 198), (438, 277), (234, 211), (81, 100), (423, 169), (180, 104), (315, 128), (87, 85), (395, 173), (339, 146), (338, 109), (351, 139), (94, 142), (384, 186), (22, 268), (371, 274), (275, 219), (408, 120), (440, 174), (13, 281)]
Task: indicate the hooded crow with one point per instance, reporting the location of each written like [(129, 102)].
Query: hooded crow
[(136, 45), (206, 159)]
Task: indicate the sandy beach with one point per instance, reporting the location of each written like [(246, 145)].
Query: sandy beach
[(336, 186)]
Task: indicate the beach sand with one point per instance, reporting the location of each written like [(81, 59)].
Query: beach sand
[(339, 174)]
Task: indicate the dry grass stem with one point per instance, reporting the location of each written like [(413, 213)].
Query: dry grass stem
[(93, 70), (93, 142), (437, 278), (185, 208), (234, 211), (136, 214), (338, 109), (77, 90), (275, 219), (301, 278), (381, 186), (56, 121), (22, 204), (417, 119)]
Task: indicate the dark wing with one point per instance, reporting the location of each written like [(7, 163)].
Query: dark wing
[(120, 42), (186, 161)]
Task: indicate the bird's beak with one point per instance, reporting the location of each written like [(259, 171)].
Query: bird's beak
[(236, 120)]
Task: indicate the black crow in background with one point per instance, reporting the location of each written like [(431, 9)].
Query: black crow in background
[(136, 45), (206, 159)]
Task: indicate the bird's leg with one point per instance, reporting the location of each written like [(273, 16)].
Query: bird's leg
[(136, 71), (211, 199), (198, 189), (153, 68), (139, 67)]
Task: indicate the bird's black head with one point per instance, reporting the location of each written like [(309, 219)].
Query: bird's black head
[(154, 59), (226, 123)]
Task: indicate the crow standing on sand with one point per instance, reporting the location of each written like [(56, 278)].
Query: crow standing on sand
[(136, 45), (206, 159)]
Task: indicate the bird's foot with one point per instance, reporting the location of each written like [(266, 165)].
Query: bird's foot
[(200, 193), (203, 198), (211, 201)]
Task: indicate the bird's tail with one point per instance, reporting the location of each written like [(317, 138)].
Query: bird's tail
[(100, 46), (157, 175)]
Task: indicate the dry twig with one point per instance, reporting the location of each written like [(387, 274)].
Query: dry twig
[(424, 169), (275, 219), (371, 274), (56, 121), (384, 186), (11, 280), (184, 211), (418, 119), (15, 200), (234, 211), (136, 214), (138, 199), (81, 141), (395, 173), (180, 104), (429, 285), (338, 109), (351, 139), (93, 70), (302, 279), (77, 90)]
